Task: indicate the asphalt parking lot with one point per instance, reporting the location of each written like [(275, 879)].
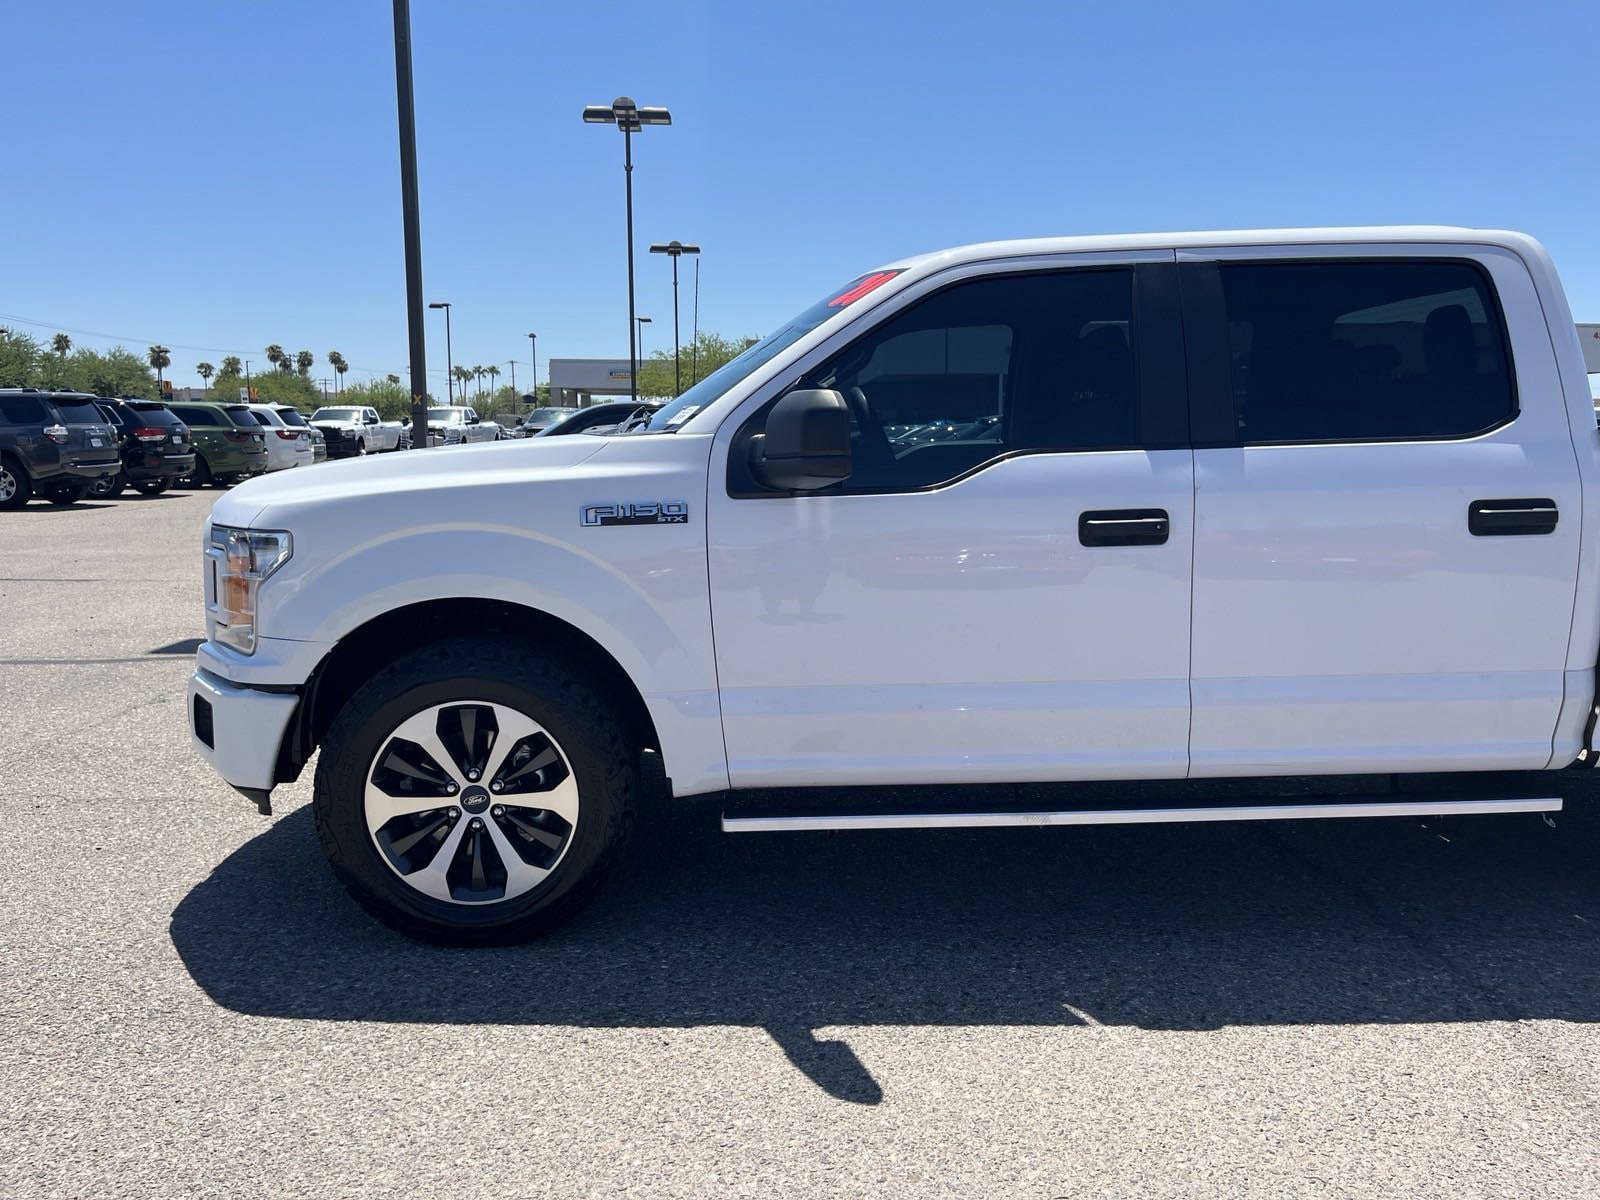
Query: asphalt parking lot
[(191, 1006)]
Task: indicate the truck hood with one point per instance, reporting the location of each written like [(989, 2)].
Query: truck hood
[(426, 477)]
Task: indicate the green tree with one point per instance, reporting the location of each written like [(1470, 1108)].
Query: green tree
[(273, 387), (337, 362), (232, 366), (205, 370), (160, 359), (493, 373), (19, 359), (463, 376), (117, 372), (711, 351), (61, 343), (304, 360), (391, 400), (393, 378), (277, 357)]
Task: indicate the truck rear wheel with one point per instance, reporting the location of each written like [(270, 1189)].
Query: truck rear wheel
[(15, 486), (471, 795)]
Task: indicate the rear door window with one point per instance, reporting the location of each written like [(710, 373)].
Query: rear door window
[(1371, 350), (197, 416), (289, 417), (21, 410), (243, 416)]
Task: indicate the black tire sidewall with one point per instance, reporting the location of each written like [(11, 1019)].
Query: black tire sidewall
[(24, 490), (544, 693)]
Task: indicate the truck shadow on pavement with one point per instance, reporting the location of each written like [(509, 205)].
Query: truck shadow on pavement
[(1156, 927)]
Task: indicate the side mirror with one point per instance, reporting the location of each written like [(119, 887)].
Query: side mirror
[(806, 444)]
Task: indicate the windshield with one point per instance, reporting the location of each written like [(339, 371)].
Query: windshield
[(446, 416), (671, 416), (336, 414)]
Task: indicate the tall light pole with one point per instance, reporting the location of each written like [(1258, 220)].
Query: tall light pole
[(512, 363), (694, 346), (411, 215), (641, 322), (630, 118), (449, 357), (675, 249), (533, 343)]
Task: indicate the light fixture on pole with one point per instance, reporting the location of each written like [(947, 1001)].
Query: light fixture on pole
[(449, 358), (630, 118), (675, 249), (641, 322)]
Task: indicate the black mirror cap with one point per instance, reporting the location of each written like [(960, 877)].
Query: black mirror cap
[(806, 444)]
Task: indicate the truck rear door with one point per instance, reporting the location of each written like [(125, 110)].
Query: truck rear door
[(1387, 511)]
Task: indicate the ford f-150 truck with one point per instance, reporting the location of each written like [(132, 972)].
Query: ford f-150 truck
[(1314, 504)]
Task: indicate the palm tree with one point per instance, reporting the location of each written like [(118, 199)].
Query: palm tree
[(493, 373), (61, 343), (275, 354), (462, 374), (232, 366), (477, 374), (304, 360), (394, 379), (337, 362), (205, 371), (160, 359)]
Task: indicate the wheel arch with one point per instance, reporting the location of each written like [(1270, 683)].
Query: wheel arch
[(372, 645)]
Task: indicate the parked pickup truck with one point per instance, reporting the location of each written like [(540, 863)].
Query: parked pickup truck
[(456, 425), (1312, 504), (355, 431)]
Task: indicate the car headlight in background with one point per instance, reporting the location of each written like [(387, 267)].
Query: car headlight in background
[(247, 557)]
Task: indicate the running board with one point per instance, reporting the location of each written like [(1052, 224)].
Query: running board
[(778, 822)]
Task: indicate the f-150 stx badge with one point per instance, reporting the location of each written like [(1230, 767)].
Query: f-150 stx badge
[(648, 512)]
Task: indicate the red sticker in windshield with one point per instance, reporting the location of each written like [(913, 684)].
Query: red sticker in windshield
[(861, 287)]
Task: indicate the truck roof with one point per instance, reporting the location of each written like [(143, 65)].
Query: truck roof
[(1363, 235)]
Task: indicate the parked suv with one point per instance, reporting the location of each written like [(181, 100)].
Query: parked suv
[(53, 443), (288, 445), (229, 443), (157, 450)]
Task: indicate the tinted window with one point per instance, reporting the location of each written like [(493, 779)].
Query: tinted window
[(289, 417), (153, 414), (1350, 351), (196, 416), (79, 412), (21, 410), (986, 368)]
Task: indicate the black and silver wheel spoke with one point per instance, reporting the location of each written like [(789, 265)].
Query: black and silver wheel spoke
[(471, 802)]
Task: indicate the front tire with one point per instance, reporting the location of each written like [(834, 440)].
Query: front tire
[(470, 794), (361, 449), (15, 486)]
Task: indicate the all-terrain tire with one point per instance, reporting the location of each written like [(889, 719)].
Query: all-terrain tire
[(586, 724)]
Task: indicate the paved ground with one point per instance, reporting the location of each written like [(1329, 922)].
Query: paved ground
[(189, 1006)]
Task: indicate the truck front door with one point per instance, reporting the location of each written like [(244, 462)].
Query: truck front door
[(1000, 590)]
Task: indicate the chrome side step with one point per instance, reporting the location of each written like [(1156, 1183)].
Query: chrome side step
[(779, 822)]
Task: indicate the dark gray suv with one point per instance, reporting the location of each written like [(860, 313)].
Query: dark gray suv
[(52, 443)]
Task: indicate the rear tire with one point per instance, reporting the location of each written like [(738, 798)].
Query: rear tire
[(107, 487), (16, 489), (201, 475), (567, 723), (152, 487)]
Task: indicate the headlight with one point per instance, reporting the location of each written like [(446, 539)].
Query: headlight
[(248, 557)]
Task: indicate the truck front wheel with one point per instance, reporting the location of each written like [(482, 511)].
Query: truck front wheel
[(469, 794)]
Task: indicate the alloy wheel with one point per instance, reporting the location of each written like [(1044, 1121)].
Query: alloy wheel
[(471, 802), (8, 484)]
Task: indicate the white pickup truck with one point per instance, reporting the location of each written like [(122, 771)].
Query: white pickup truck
[(352, 431), (1311, 503), (459, 425)]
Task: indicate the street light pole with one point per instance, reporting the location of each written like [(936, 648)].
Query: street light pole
[(630, 118), (694, 346), (449, 356), (410, 208), (675, 249), (533, 343), (641, 322)]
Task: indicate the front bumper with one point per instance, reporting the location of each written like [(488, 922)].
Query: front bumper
[(238, 730)]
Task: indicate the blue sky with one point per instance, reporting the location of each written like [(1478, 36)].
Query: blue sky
[(222, 176)]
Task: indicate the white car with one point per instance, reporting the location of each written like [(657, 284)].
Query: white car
[(1303, 504), (287, 445), (356, 430), (454, 425)]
